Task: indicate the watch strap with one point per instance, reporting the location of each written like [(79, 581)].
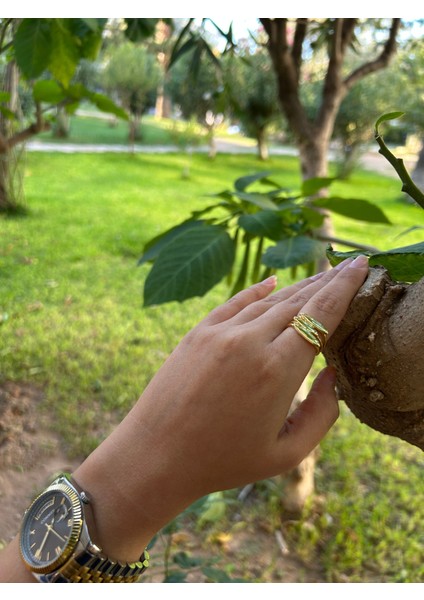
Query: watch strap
[(91, 566)]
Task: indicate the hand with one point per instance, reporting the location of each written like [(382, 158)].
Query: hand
[(216, 414)]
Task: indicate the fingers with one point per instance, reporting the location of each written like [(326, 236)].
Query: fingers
[(328, 306), (238, 302), (310, 422)]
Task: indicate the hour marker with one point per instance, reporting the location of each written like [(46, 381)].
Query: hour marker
[(57, 550)]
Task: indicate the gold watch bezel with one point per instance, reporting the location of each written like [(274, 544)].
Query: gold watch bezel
[(77, 524)]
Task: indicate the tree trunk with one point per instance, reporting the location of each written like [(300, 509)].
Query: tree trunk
[(263, 153), (377, 350), (10, 197)]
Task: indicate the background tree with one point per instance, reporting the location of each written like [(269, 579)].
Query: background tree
[(252, 92), (131, 75), (196, 90), (46, 53), (289, 42)]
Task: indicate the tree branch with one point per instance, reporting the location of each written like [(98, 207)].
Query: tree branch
[(21, 136), (287, 76), (299, 38), (380, 62)]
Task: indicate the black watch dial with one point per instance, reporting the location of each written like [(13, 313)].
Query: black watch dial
[(51, 528)]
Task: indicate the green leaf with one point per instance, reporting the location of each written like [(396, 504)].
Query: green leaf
[(354, 208), (184, 561), (261, 200), (190, 265), (49, 91), (243, 182), (265, 223), (155, 246), (293, 251), (33, 45), (7, 113), (65, 51), (387, 117), (4, 96), (106, 105), (315, 184), (403, 264), (215, 510)]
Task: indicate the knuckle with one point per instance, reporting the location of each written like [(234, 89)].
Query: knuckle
[(328, 303), (300, 298)]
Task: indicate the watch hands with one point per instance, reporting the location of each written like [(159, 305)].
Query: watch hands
[(40, 549), (50, 528)]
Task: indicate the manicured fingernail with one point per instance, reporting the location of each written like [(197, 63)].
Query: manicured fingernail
[(360, 262), (317, 276), (270, 281)]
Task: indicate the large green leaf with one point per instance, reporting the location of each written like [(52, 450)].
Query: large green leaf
[(315, 184), (33, 46), (264, 223), (190, 265), (155, 246), (65, 52), (49, 91), (403, 264), (293, 251), (354, 208)]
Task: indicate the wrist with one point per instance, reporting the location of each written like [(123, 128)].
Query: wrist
[(136, 486)]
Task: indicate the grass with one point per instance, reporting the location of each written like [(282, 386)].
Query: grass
[(72, 322), (92, 129)]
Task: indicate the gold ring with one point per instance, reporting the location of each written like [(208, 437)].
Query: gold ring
[(311, 330)]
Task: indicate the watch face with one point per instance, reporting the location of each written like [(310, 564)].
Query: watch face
[(51, 528)]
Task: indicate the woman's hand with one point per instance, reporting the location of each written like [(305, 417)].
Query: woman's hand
[(216, 415)]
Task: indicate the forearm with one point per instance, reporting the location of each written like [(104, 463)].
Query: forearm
[(136, 487)]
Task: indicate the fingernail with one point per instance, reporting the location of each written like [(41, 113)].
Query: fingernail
[(317, 276), (270, 281), (359, 262)]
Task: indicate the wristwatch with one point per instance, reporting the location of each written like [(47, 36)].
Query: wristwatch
[(56, 545)]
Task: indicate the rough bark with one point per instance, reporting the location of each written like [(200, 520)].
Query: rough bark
[(377, 351)]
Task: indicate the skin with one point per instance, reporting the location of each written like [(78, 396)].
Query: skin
[(216, 415)]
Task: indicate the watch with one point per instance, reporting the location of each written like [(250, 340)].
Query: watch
[(56, 545)]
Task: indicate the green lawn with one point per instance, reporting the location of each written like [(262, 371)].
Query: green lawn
[(71, 321), (103, 129)]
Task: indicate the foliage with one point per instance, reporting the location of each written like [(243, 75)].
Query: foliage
[(131, 74), (405, 263), (251, 90), (192, 257)]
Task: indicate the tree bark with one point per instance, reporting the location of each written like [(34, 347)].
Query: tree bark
[(377, 351), (263, 153)]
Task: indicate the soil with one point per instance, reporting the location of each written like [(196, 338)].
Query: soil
[(31, 455)]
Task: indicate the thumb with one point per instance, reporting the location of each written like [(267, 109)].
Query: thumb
[(306, 426)]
